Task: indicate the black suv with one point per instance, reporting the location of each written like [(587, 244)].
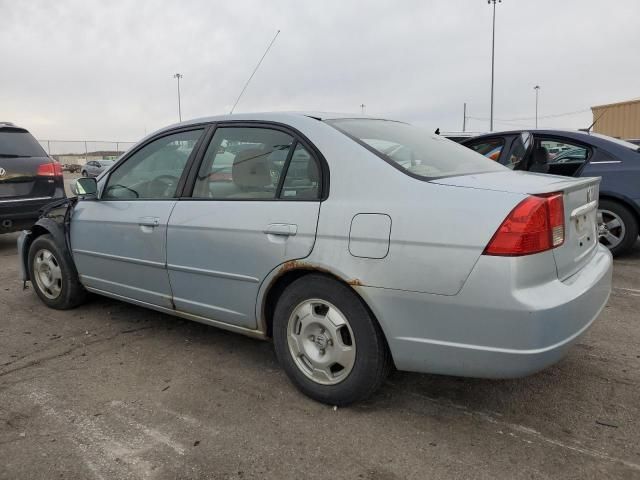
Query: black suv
[(29, 178)]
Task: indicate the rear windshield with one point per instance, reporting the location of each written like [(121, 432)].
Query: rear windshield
[(15, 142), (414, 150)]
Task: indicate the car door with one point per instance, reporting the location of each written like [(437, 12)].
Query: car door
[(254, 205), (118, 241)]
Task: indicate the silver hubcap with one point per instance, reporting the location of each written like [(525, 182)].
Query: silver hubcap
[(321, 342), (47, 273), (611, 230)]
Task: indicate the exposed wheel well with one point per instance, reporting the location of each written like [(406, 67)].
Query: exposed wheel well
[(286, 279)]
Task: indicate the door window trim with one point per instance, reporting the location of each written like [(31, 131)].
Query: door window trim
[(205, 127), (298, 138)]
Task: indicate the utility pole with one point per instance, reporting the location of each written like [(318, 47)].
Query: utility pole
[(178, 76), (464, 117), (362, 105), (493, 50), (537, 89)]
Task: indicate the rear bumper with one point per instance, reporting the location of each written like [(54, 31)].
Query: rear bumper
[(21, 214), (503, 324)]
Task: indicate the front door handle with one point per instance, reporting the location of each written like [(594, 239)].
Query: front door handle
[(281, 229), (148, 221)]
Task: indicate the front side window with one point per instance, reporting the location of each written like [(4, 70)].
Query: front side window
[(414, 150), (491, 148), (560, 151), (153, 171), (243, 163)]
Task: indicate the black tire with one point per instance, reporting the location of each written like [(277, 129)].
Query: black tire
[(372, 357), (629, 221), (71, 293), (84, 173)]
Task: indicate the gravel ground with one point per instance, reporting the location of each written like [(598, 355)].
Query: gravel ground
[(113, 391)]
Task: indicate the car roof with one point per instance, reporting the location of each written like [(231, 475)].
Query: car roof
[(283, 117)]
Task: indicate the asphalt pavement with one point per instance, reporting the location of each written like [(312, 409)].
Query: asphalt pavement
[(113, 391)]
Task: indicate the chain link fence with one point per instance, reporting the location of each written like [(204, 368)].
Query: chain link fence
[(79, 152)]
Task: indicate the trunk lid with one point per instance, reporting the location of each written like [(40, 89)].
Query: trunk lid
[(580, 197), (19, 178), (20, 157)]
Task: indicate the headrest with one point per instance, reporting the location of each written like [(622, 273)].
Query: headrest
[(540, 155), (251, 169)]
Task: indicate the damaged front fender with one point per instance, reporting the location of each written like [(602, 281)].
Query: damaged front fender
[(54, 220)]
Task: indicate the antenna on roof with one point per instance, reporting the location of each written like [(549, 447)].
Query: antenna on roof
[(254, 71), (588, 129)]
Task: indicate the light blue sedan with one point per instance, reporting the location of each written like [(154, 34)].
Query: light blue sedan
[(356, 244)]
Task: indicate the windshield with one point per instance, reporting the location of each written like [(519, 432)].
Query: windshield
[(15, 142), (622, 143), (415, 150)]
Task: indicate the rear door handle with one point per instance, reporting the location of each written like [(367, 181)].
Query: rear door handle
[(148, 221), (282, 229)]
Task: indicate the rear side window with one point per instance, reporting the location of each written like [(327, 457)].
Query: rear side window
[(16, 142), (249, 163), (489, 148), (414, 150)]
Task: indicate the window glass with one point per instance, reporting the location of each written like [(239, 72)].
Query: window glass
[(489, 148), (243, 163), (563, 152), (414, 149), (153, 171), (303, 176), (16, 142)]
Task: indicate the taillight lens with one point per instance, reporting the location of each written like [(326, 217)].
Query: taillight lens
[(535, 225), (52, 169)]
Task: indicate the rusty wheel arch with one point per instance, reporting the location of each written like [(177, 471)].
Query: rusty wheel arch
[(288, 273)]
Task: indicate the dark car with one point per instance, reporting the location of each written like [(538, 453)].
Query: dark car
[(578, 154), (29, 178)]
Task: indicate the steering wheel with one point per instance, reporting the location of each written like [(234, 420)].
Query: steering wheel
[(170, 181)]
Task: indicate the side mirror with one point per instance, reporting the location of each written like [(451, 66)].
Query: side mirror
[(85, 187)]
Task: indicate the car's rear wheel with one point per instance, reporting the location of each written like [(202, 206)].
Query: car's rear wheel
[(618, 230), (327, 341), (52, 275)]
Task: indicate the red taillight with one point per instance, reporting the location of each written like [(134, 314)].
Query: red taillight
[(52, 169), (535, 225)]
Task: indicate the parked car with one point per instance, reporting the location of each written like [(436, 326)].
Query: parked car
[(29, 179), (350, 260), (93, 168), (578, 154), (635, 141), (71, 167)]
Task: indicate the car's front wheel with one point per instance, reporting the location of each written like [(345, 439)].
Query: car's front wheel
[(327, 341), (618, 229), (52, 275)]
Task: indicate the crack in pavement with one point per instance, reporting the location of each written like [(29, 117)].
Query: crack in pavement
[(487, 417), (67, 351)]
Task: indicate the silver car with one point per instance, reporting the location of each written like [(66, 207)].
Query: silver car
[(356, 244), (93, 168)]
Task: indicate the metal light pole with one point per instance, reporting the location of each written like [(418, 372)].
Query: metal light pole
[(493, 48), (179, 76), (537, 89)]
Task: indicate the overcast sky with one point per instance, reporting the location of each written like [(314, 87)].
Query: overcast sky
[(103, 70)]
